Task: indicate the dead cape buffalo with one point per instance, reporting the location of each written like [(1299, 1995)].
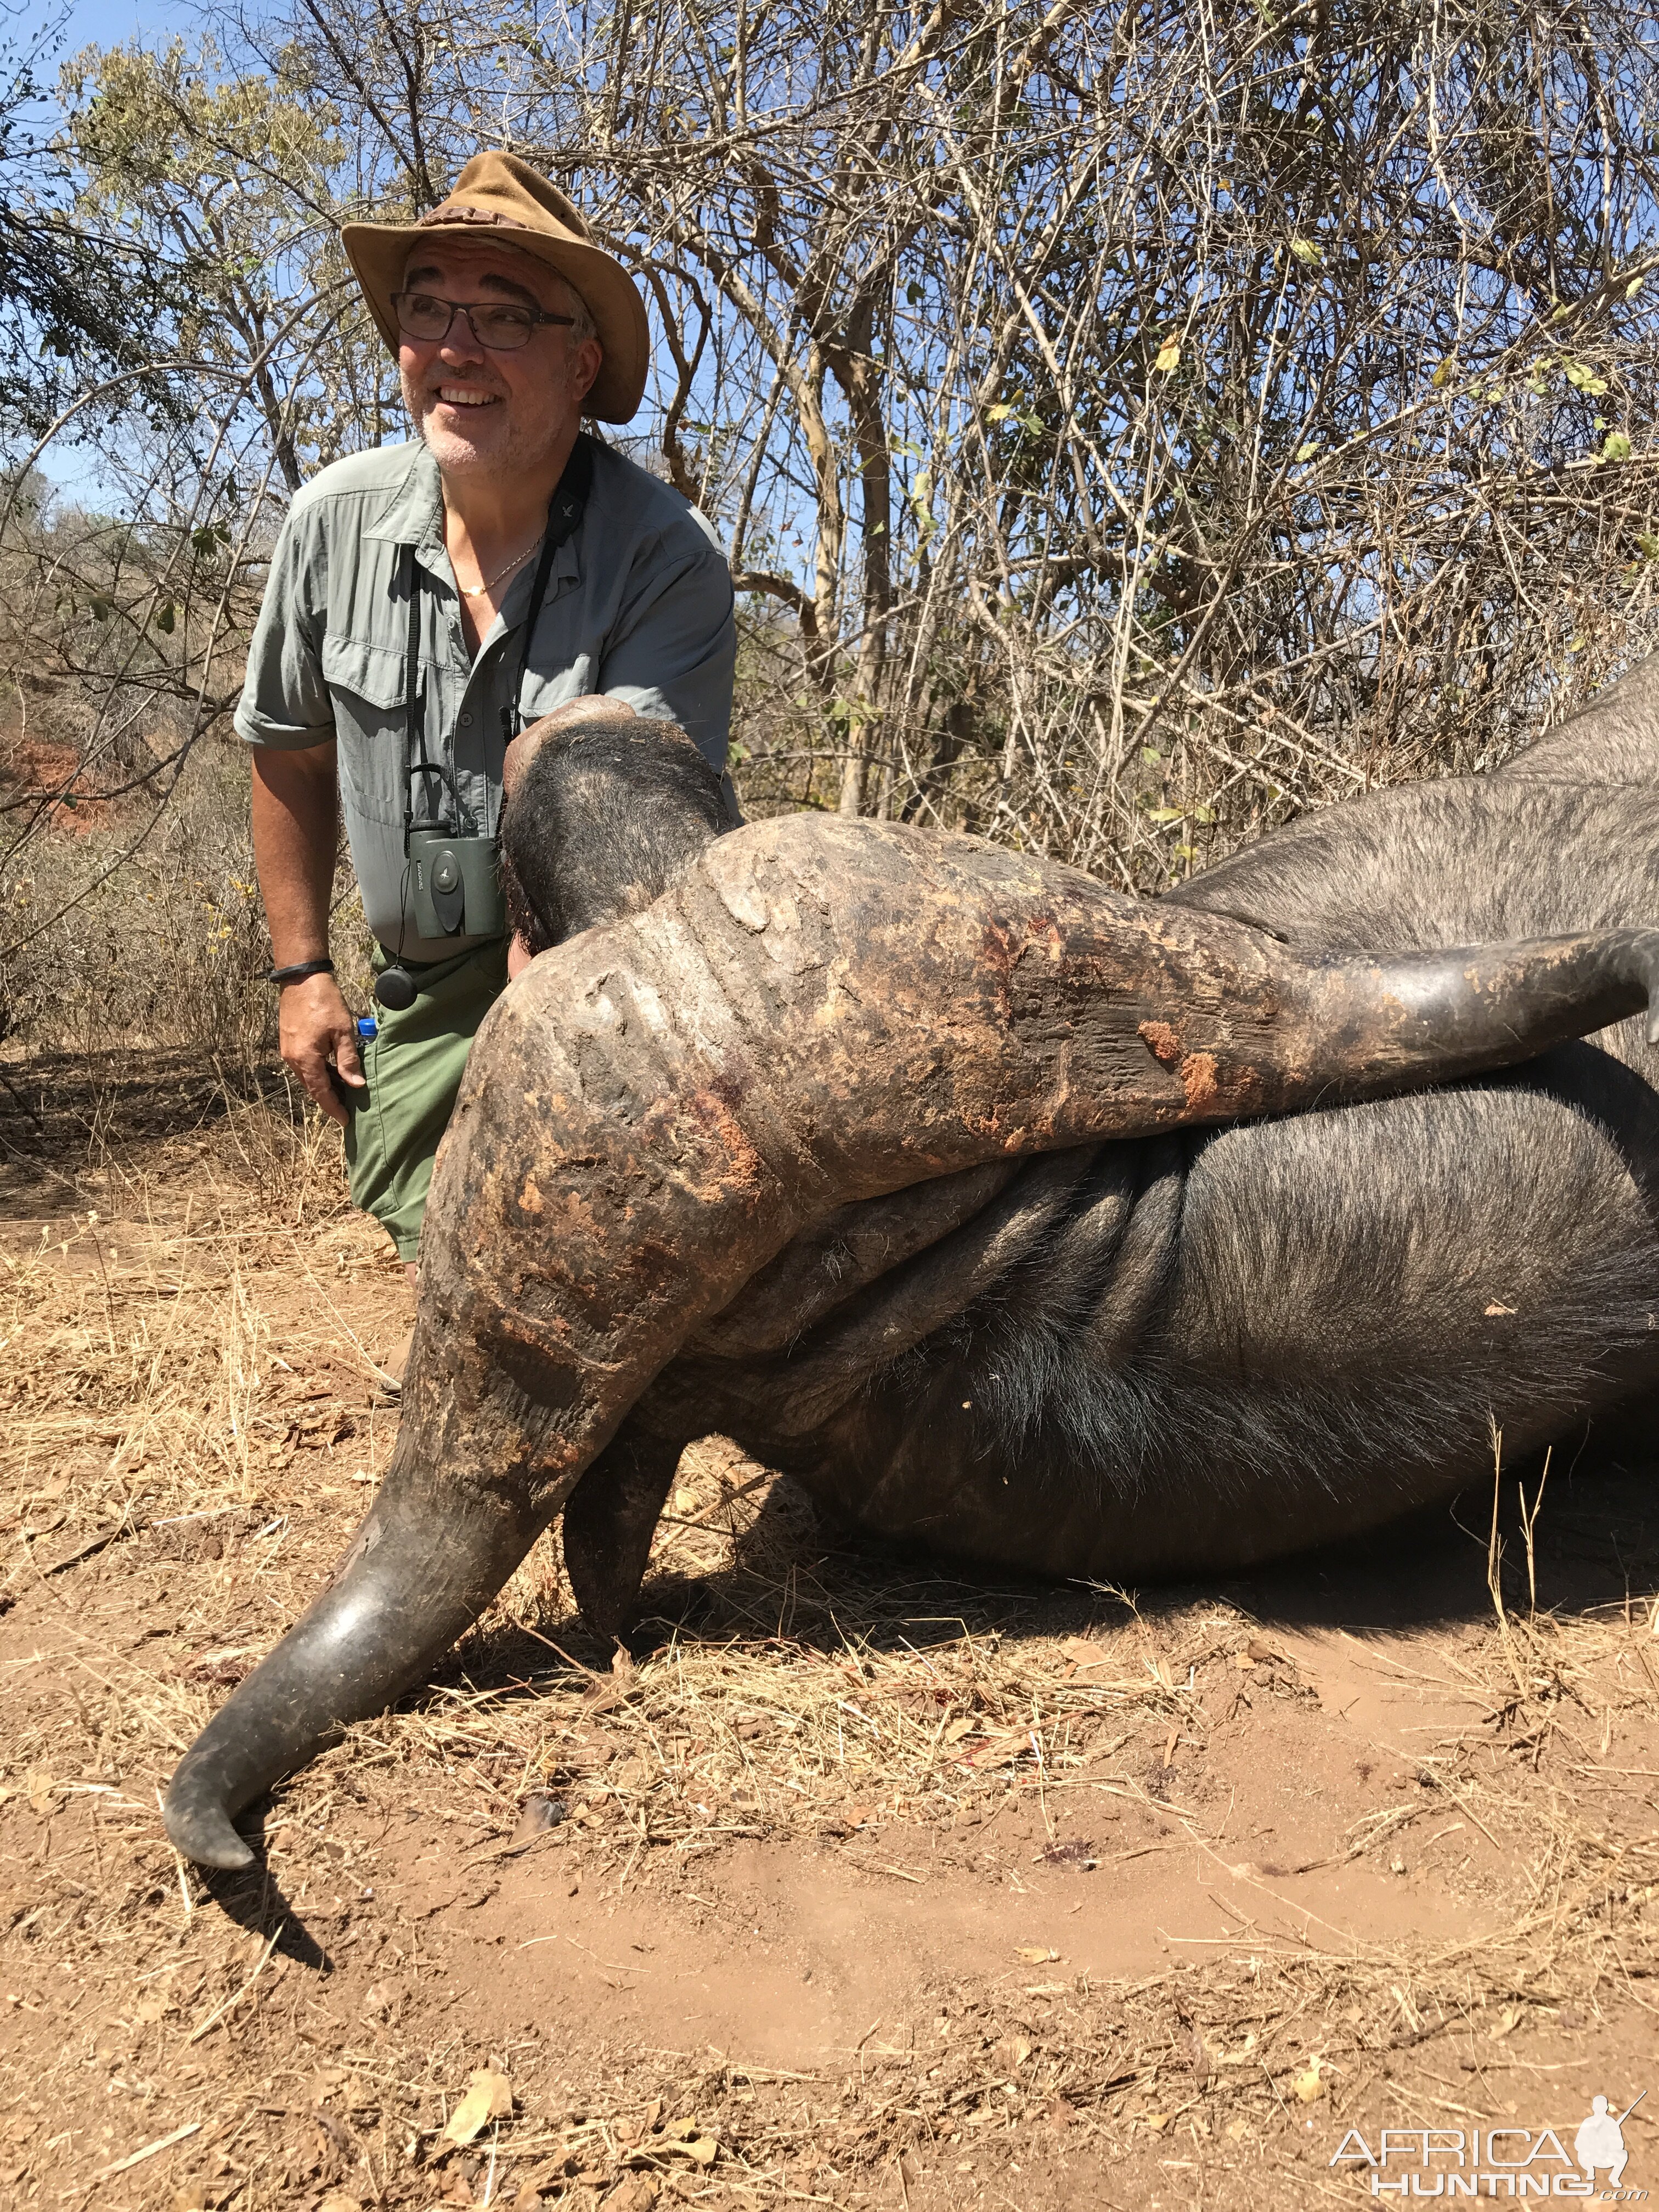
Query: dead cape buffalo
[(1049, 1227)]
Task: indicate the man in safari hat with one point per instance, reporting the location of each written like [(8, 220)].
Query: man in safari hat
[(427, 601)]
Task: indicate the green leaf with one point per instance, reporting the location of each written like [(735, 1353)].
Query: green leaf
[(1000, 413), (1305, 252), (165, 617), (1634, 286), (1649, 544), (1169, 357), (1164, 813), (1617, 447), (1306, 452), (1443, 375)]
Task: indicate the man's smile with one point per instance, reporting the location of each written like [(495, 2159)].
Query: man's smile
[(467, 395)]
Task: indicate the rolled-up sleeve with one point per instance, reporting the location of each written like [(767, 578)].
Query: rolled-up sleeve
[(673, 652), (285, 701)]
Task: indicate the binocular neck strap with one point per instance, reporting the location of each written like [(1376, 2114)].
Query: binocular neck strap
[(420, 762), (564, 513)]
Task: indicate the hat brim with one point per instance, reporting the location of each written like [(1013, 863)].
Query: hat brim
[(378, 253)]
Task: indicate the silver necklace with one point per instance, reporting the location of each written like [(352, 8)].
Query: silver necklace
[(477, 591)]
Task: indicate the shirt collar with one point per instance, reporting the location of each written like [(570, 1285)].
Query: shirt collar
[(414, 515)]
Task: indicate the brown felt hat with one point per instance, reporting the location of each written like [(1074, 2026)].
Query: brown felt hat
[(500, 198)]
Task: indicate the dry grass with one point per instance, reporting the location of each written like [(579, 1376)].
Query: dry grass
[(193, 1322)]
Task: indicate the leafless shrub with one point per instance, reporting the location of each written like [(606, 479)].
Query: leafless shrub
[(1127, 427)]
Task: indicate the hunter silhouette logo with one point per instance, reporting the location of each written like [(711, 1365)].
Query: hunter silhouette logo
[(1504, 2161), (1600, 2140)]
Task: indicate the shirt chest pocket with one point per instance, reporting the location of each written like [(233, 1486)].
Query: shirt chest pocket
[(366, 688)]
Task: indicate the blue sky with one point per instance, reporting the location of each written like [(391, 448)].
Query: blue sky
[(106, 23)]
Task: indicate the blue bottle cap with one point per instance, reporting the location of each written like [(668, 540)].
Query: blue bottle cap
[(368, 1027)]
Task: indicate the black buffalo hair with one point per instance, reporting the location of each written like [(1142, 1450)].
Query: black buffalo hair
[(604, 815)]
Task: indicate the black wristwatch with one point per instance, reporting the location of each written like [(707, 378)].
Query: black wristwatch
[(298, 973)]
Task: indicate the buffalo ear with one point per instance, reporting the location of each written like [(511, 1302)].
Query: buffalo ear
[(610, 1519)]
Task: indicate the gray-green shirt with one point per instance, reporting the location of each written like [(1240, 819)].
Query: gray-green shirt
[(638, 607)]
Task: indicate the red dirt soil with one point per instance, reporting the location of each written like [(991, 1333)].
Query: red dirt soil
[(866, 1884)]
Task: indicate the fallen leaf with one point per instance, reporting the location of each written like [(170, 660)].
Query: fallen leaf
[(1310, 2085), (38, 1786), (1035, 1955), (1260, 1650), (962, 1726), (149, 2009), (1244, 1659), (687, 2137), (1157, 2121), (1004, 1747), (337, 2201), (1086, 1653), (1012, 2052), (635, 2194), (488, 2097), (378, 1998), (1496, 1309), (1060, 2114), (529, 2199), (639, 2193)]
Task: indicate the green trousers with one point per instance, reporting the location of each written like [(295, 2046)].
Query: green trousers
[(414, 1069)]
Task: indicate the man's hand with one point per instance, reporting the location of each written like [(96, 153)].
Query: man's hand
[(316, 1027), (294, 808)]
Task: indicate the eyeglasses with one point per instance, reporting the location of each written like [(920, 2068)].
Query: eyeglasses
[(498, 329)]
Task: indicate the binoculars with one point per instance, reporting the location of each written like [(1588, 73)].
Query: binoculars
[(455, 885)]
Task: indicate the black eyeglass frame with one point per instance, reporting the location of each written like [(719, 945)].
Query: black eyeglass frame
[(466, 307)]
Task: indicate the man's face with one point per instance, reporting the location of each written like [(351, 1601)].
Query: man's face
[(484, 413)]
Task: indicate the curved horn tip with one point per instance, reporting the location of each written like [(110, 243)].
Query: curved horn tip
[(199, 1828)]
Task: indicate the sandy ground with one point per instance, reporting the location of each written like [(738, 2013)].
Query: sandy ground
[(851, 1882)]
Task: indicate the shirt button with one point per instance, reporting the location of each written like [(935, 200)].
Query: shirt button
[(466, 721)]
